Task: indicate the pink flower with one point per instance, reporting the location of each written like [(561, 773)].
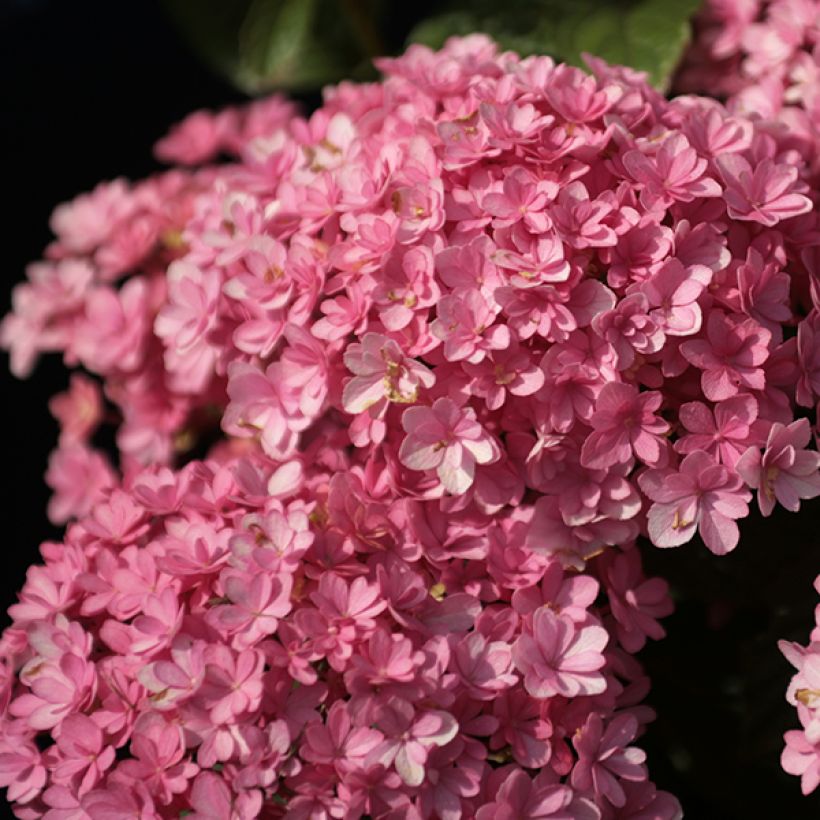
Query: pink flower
[(723, 432), (808, 356), (674, 174), (79, 477), (625, 422), (449, 440), (262, 405), (673, 293), (211, 799), (79, 410), (465, 324), (408, 737), (256, 605), (786, 471), (629, 329), (338, 742), (731, 355), (159, 760), (382, 373), (700, 495), (561, 657), (604, 758), (80, 754), (636, 602), (579, 219), (577, 97), (524, 196), (802, 757), (484, 667), (510, 371), (520, 797), (22, 771), (765, 194)]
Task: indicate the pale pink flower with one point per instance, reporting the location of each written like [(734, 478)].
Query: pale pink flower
[(79, 409), (785, 471), (79, 477), (561, 657), (446, 438)]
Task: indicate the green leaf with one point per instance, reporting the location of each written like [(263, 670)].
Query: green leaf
[(648, 35), (261, 45)]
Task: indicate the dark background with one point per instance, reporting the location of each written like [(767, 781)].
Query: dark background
[(87, 87)]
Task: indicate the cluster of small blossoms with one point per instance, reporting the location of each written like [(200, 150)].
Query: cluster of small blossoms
[(239, 640), (765, 58), (469, 332), (802, 753)]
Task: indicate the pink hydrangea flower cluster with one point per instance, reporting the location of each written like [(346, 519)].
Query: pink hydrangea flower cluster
[(468, 333), (764, 56)]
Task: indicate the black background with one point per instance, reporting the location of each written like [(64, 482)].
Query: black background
[(86, 87)]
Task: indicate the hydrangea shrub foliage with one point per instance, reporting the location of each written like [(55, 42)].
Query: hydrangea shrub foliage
[(398, 386)]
